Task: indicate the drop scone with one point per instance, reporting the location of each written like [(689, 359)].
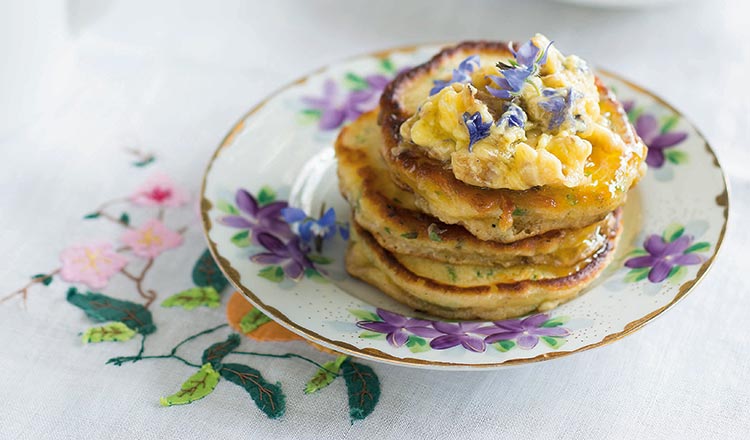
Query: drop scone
[(509, 143), (488, 183)]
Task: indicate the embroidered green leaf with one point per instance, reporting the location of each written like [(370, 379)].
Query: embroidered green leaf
[(92, 215), (435, 232), (701, 246), (252, 320), (206, 273), (363, 387), (553, 341), (241, 239), (142, 163), (125, 219), (194, 297), (272, 273), (269, 397), (102, 308), (355, 82), (226, 207), (43, 278), (266, 195), (365, 315), (504, 346), (676, 157), (673, 232), (325, 375), (387, 65), (198, 386), (410, 235), (215, 353), (669, 123), (319, 259), (636, 275), (677, 273), (367, 334), (315, 276), (556, 321), (114, 331), (417, 344)]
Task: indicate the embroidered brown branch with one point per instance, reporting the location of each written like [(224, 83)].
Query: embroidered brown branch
[(23, 292)]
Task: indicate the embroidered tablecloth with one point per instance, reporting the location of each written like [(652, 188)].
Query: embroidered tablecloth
[(116, 322)]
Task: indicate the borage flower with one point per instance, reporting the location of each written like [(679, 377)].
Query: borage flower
[(663, 256), (291, 256), (513, 116), (557, 103), (527, 63), (397, 327), (257, 219), (478, 130), (526, 332), (316, 230), (462, 74), (92, 264), (647, 128)]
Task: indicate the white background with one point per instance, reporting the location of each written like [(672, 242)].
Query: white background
[(173, 77)]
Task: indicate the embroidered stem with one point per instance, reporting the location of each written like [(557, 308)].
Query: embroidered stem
[(149, 295), (190, 338), (285, 356), (101, 212), (23, 292)]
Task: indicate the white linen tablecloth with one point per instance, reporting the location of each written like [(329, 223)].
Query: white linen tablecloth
[(170, 78)]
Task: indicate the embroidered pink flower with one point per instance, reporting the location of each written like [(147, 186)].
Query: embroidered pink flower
[(92, 264), (151, 239), (159, 190)]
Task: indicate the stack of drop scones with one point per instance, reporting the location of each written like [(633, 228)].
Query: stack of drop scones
[(488, 183)]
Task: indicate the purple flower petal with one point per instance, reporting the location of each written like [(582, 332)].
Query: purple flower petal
[(660, 271), (679, 245), (550, 331), (445, 341), (246, 202), (315, 103), (294, 270), (667, 140), (273, 209), (638, 262), (527, 342), (377, 82), (467, 327), (392, 318), (534, 321), (628, 105), (687, 259), (273, 244), (377, 327), (424, 331), (448, 328), (655, 245), (235, 221), (397, 338), (474, 343), (331, 118), (647, 128), (509, 324), (655, 158), (267, 258), (501, 336)]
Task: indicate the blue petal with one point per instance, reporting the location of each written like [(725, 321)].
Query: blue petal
[(293, 215), (344, 231), (526, 54), (305, 232), (470, 64), (438, 85), (328, 219)]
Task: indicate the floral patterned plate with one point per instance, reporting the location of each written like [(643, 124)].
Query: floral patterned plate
[(277, 226)]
